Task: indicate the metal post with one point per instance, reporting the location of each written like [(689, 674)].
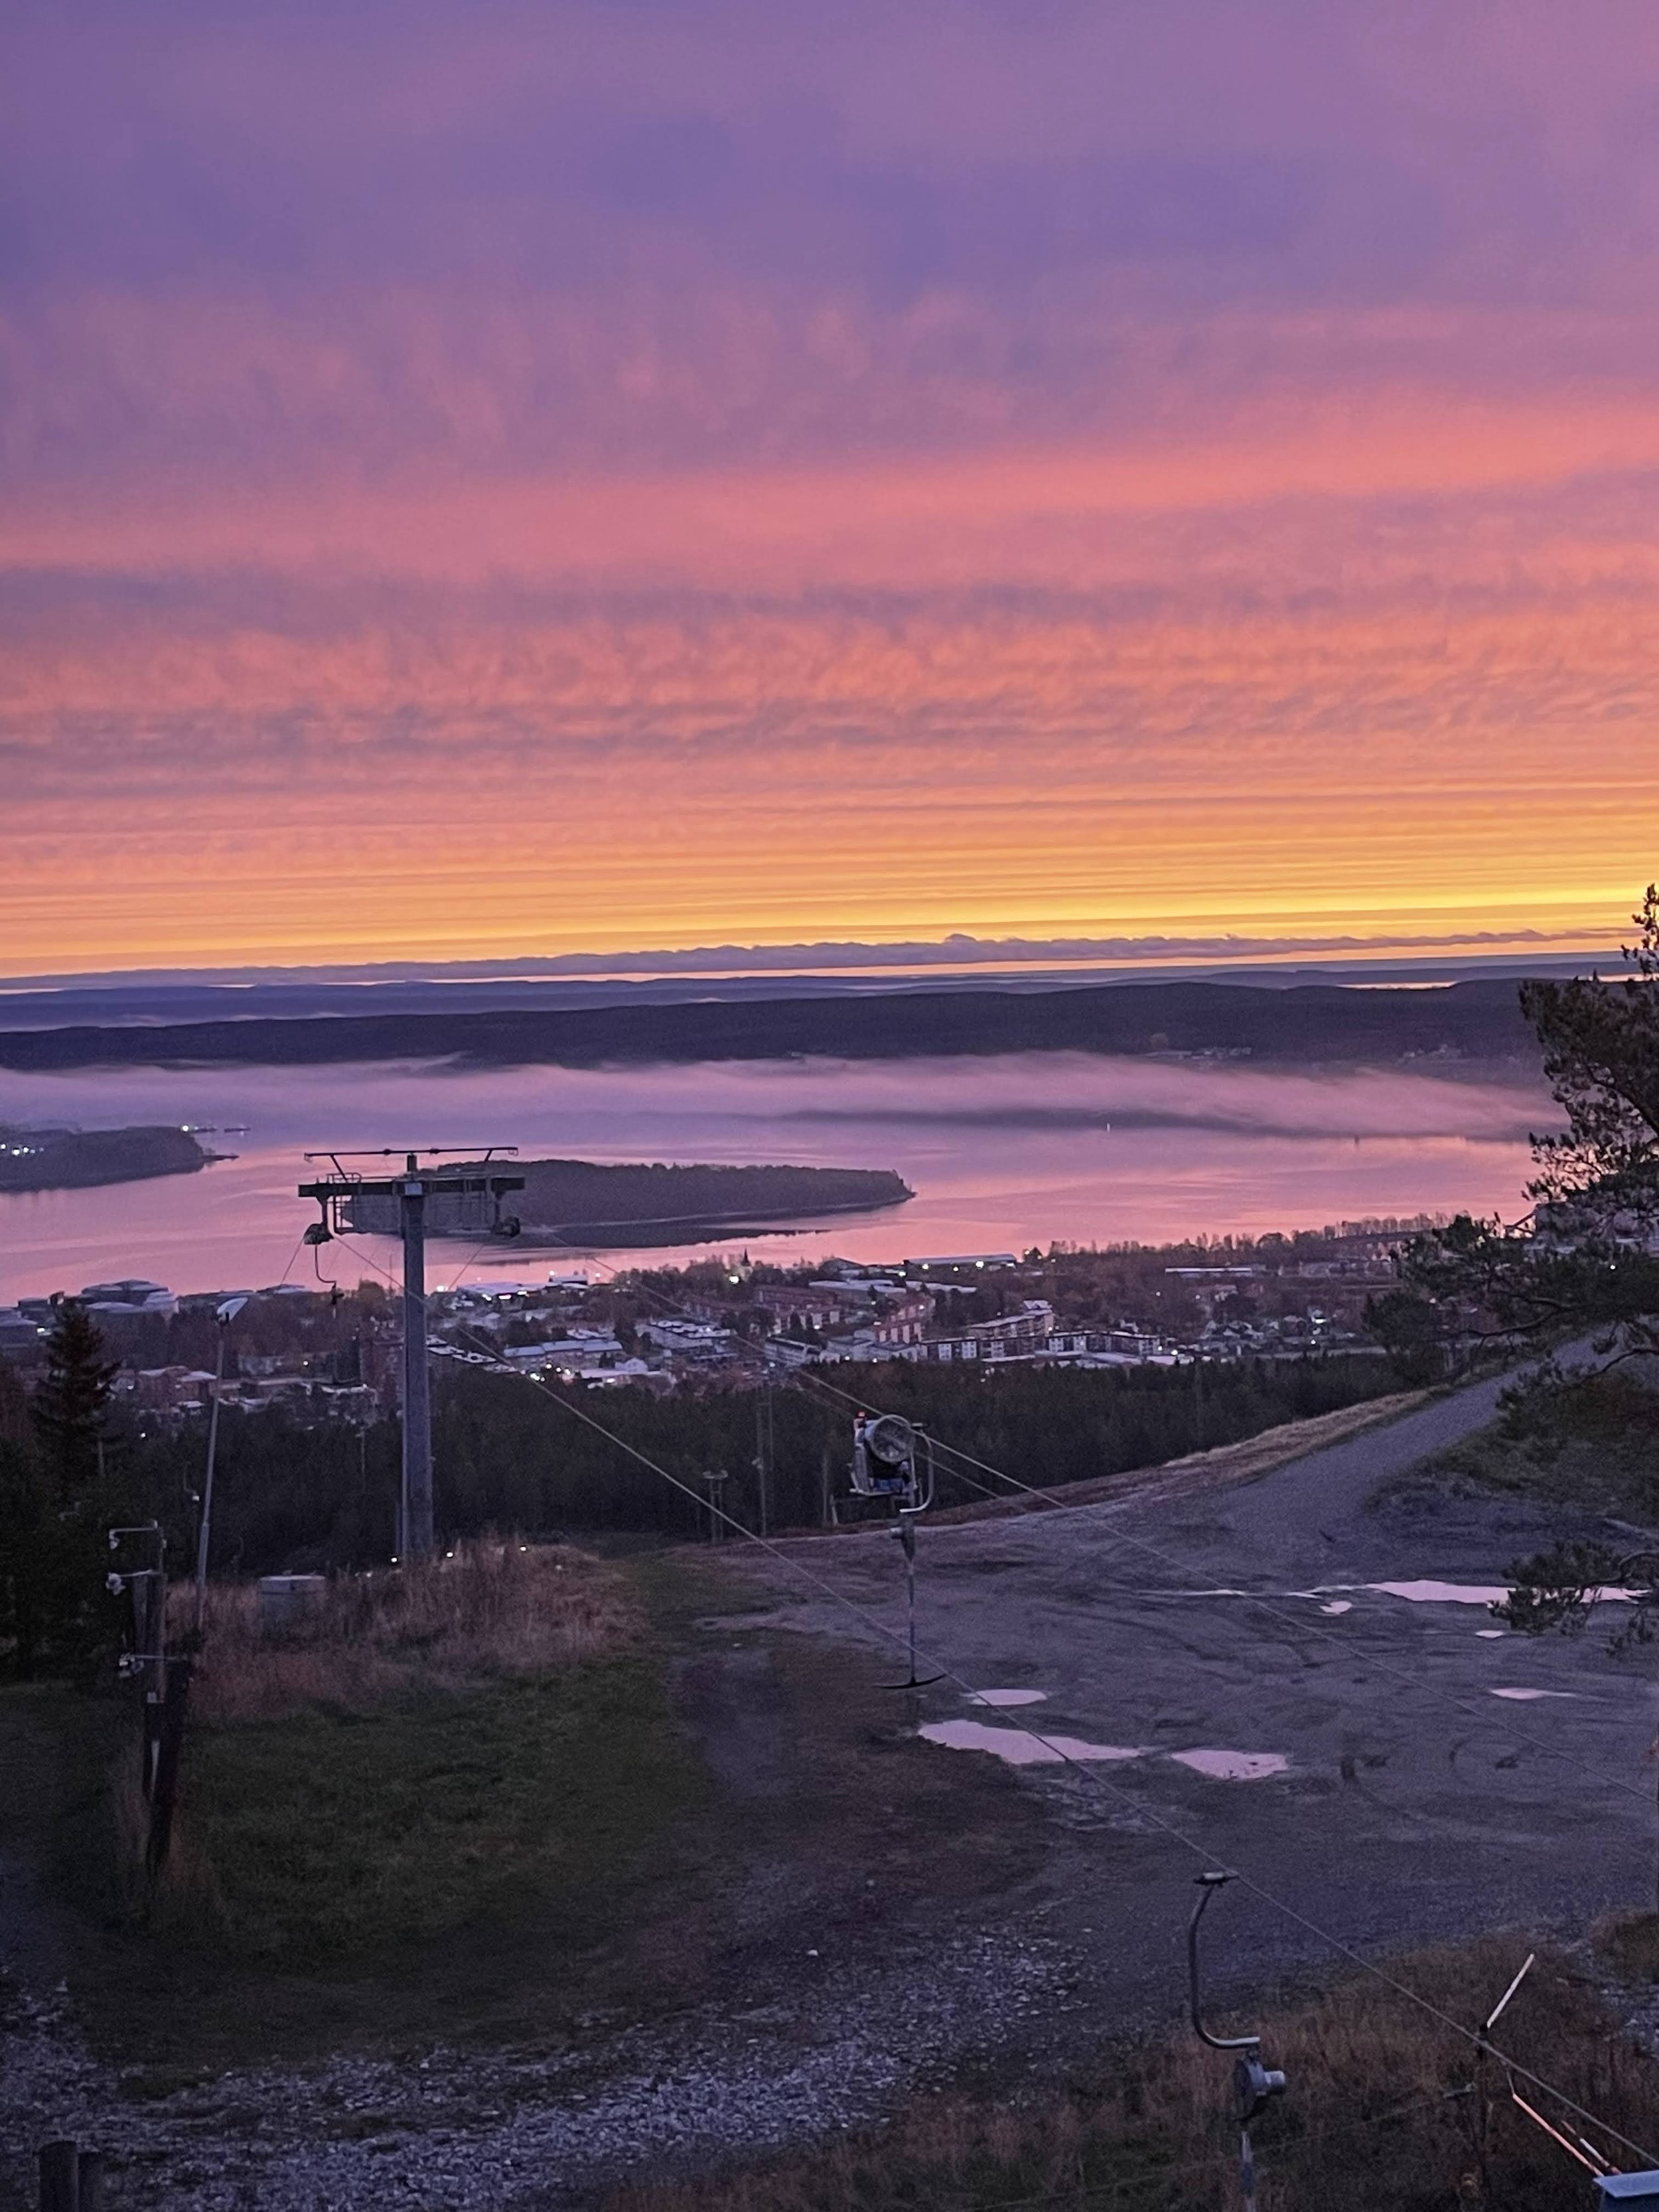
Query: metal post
[(411, 1189), (164, 1791), (908, 1538), (149, 1607), (763, 1454), (905, 1529), (415, 1537), (205, 1531), (224, 1314)]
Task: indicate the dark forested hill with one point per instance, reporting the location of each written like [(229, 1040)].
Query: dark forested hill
[(76, 1159), (1314, 1022), (577, 1201)]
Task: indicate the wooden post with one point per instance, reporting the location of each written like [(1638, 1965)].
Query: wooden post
[(165, 1795), (92, 2181)]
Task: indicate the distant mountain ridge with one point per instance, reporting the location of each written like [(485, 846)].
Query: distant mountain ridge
[(1477, 1020)]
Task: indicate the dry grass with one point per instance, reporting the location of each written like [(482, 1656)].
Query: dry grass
[(1387, 2111), (487, 1610)]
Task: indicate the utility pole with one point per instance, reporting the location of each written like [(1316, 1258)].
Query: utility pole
[(763, 1452), (415, 1536), (224, 1314), (412, 1188)]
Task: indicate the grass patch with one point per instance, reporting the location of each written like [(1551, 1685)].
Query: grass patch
[(58, 1748), (435, 1832), (1387, 2112), (332, 1839), (1594, 1446), (418, 1753), (501, 1858)]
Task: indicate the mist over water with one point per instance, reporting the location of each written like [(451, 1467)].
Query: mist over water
[(1002, 1152)]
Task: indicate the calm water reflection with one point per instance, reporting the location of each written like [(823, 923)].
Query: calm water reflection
[(1003, 1153)]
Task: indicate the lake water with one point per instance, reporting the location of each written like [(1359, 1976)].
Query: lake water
[(1003, 1153)]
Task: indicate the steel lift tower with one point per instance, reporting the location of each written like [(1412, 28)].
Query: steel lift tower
[(339, 1196)]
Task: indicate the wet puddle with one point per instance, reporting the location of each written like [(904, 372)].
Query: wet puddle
[(1008, 1697), (1416, 1593), (1490, 1635), (1233, 1766), (1528, 1697), (1018, 1747), (1021, 1747), (1432, 1593), (1423, 1592)]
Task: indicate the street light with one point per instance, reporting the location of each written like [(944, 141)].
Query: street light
[(224, 1314)]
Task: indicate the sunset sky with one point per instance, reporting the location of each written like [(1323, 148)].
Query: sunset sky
[(495, 480)]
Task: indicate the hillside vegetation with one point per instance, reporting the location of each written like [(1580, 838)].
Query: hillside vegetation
[(1310, 1022), (507, 1455), (1594, 1446), (1387, 2111), (77, 1160), (580, 1202)]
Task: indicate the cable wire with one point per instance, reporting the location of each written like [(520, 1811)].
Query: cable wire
[(1095, 1780), (1089, 1776), (1494, 1723)]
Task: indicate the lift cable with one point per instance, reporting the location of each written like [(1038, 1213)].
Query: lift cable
[(1492, 1723), (1489, 1721), (1090, 1776)]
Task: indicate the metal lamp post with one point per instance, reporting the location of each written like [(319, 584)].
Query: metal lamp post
[(224, 1314)]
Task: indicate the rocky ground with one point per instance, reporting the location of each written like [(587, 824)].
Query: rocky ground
[(450, 2129), (900, 1910)]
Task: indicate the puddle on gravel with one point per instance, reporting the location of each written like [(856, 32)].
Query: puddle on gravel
[(1414, 1593), (1527, 1697), (1431, 1592), (1471, 1593), (1018, 1747), (1233, 1766), (1490, 1635), (1008, 1697)]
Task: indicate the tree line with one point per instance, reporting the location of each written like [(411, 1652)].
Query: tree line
[(510, 1456)]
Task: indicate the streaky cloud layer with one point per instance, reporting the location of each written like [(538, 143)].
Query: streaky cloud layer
[(577, 477)]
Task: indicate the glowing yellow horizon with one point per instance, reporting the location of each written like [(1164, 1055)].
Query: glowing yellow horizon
[(1160, 691)]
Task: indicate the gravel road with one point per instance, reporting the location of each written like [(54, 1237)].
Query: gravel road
[(1407, 1770)]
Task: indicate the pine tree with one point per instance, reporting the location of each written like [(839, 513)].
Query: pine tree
[(71, 1402), (1589, 1258), (56, 1503)]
